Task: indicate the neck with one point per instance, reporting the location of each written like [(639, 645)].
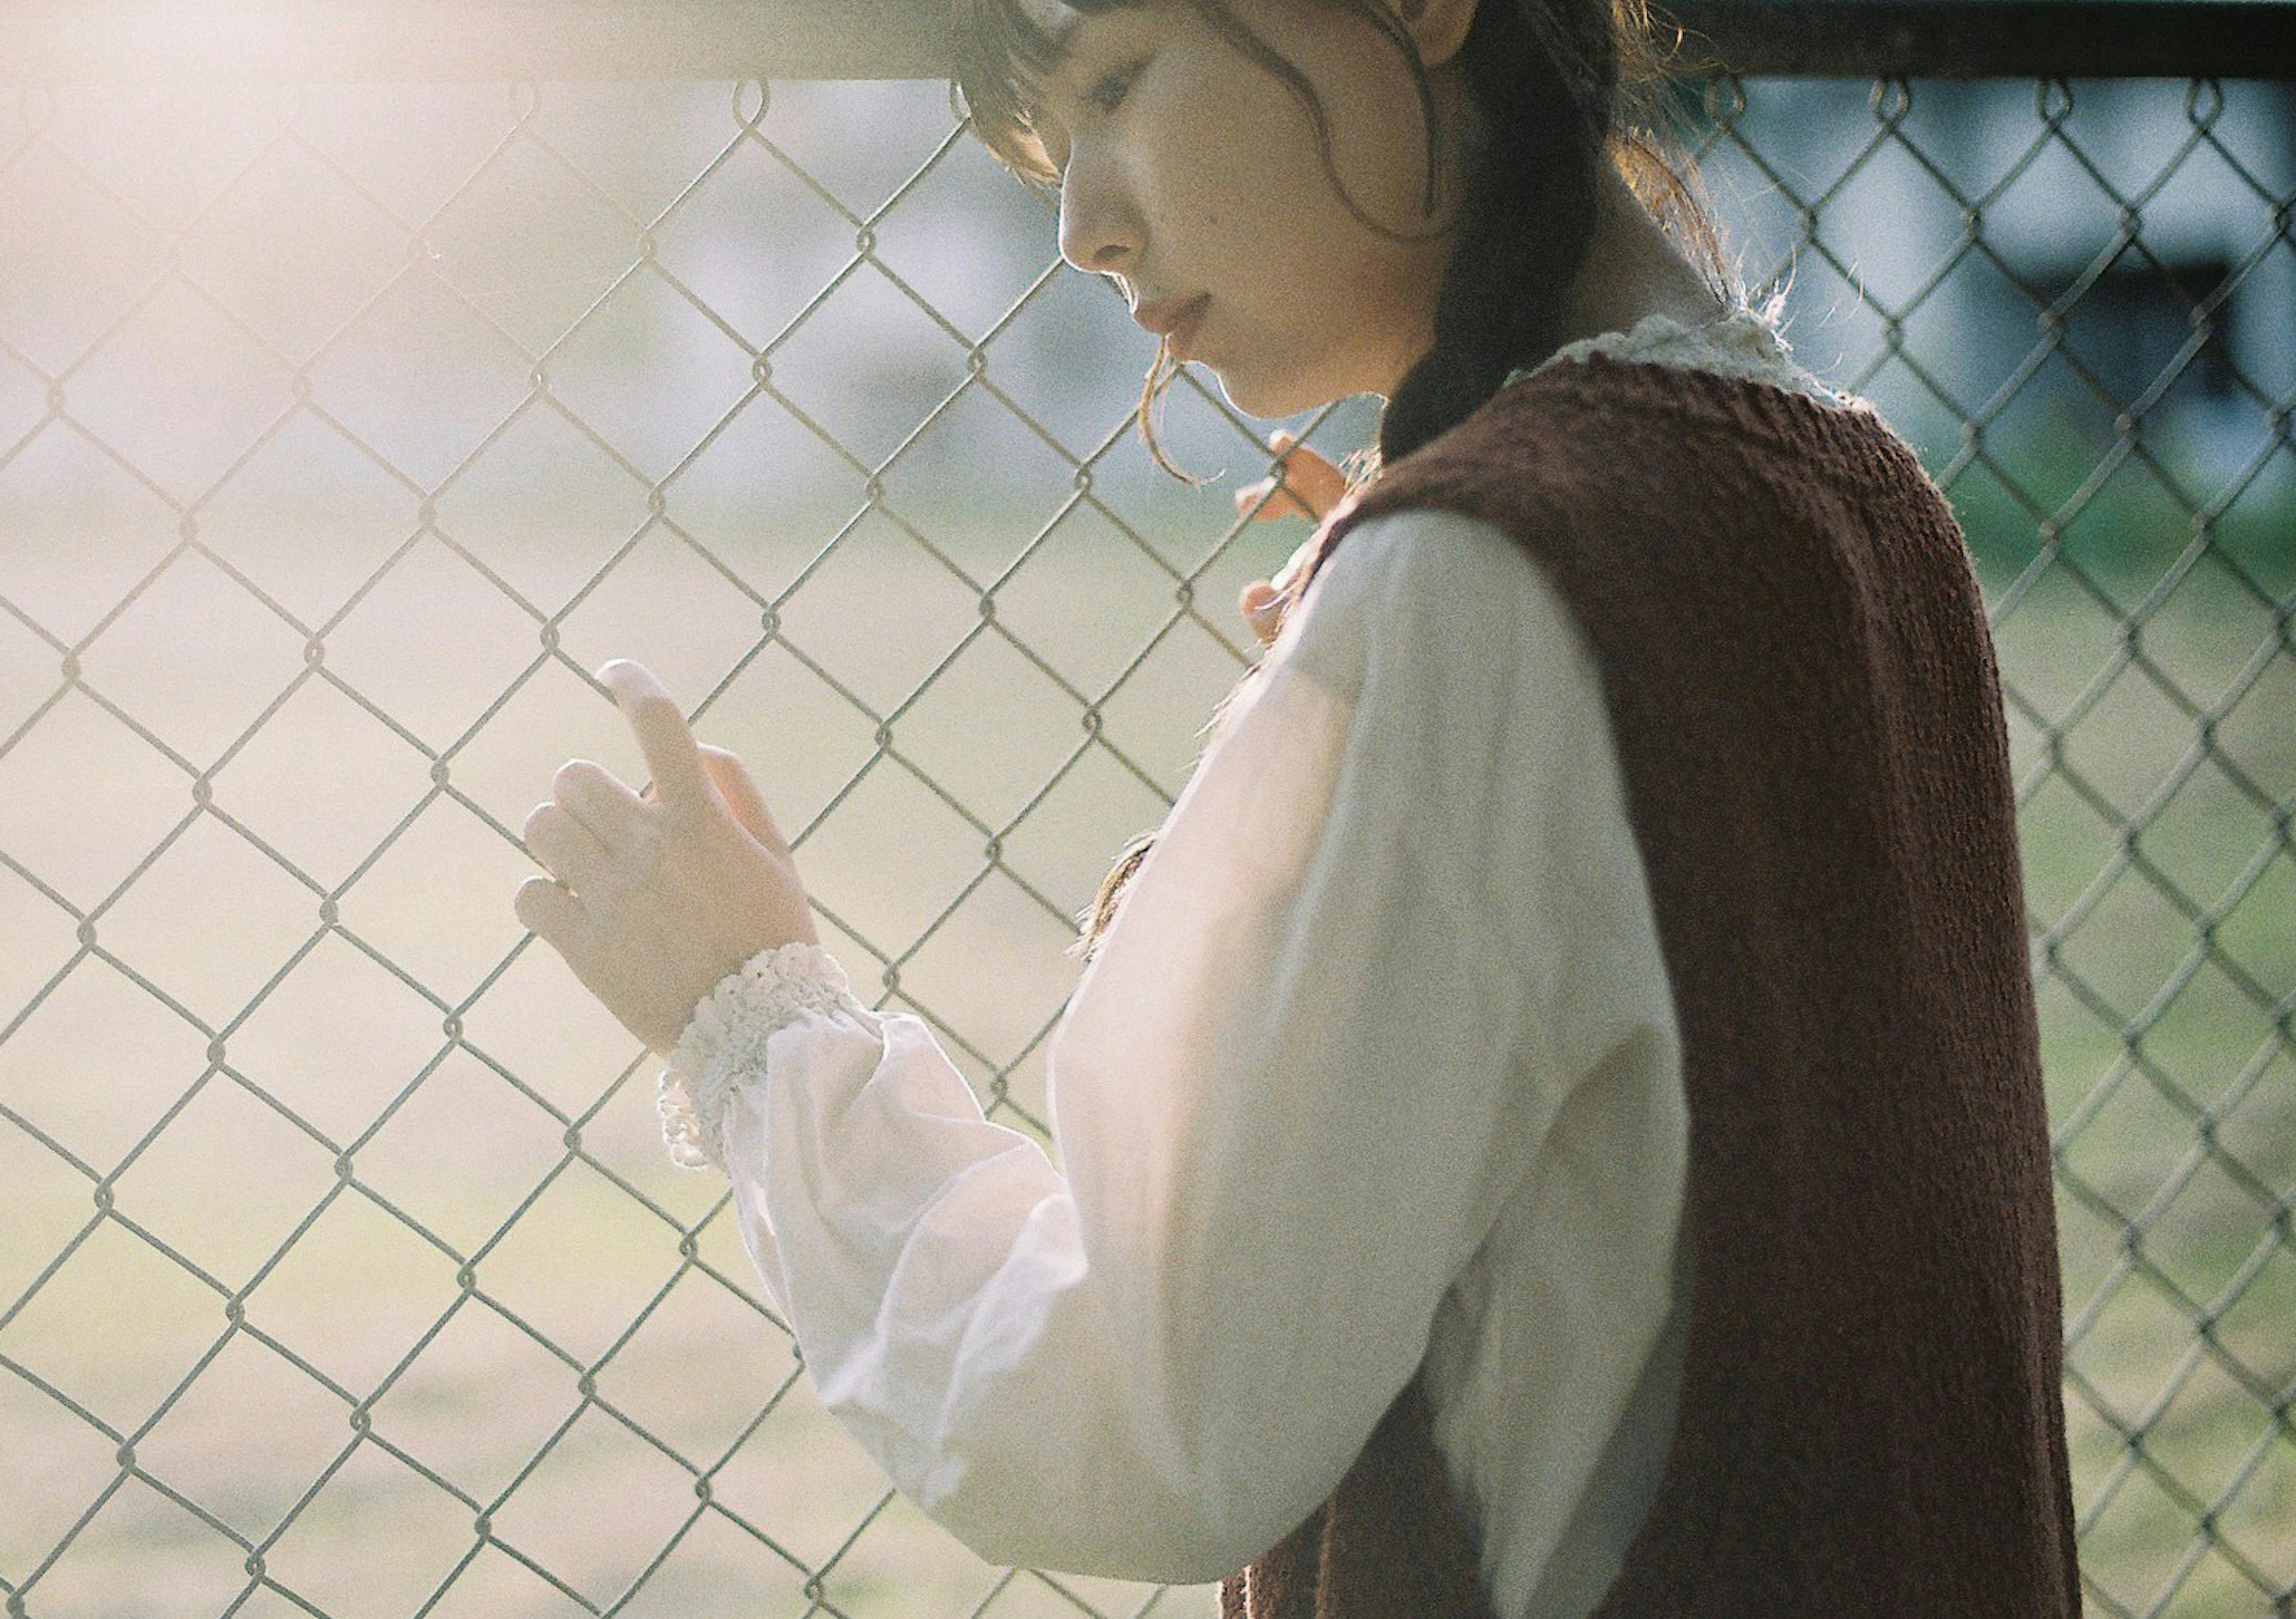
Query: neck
[(1632, 270)]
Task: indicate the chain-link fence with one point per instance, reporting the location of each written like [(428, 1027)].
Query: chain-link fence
[(343, 429)]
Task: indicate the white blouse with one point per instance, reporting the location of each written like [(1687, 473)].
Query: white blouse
[(1377, 1066)]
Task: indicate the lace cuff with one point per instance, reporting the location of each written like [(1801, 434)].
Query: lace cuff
[(725, 1041)]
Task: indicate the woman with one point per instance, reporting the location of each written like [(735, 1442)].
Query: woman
[(1552, 1123)]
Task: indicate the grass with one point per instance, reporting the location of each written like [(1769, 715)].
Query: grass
[(2152, 688), (586, 1361), (334, 1223), (483, 1321)]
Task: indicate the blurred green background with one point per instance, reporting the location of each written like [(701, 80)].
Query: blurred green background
[(342, 430)]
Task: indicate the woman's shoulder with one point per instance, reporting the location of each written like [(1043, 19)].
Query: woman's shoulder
[(1639, 439), (1431, 586), (1417, 575)]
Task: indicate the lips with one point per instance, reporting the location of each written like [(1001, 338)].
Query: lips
[(1173, 320)]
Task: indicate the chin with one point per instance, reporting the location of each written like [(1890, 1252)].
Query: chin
[(1269, 397)]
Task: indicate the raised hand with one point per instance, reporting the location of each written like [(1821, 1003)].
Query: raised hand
[(658, 896), (1305, 485)]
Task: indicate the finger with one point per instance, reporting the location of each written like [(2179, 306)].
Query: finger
[(664, 738), (551, 914), (739, 789), (1262, 500), (597, 798), (1312, 480), (566, 848), (1253, 500), (1287, 577), (1264, 608)]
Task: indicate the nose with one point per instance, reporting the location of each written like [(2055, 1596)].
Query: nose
[(1100, 223)]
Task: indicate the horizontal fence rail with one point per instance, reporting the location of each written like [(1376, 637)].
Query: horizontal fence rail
[(434, 39), (1990, 39), (370, 372)]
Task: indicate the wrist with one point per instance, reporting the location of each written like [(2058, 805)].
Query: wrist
[(725, 1040)]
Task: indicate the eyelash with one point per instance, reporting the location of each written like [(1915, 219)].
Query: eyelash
[(1106, 95), (1109, 93)]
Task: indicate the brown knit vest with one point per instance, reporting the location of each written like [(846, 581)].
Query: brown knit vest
[(1803, 690)]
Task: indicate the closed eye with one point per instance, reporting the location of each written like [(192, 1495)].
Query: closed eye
[(1102, 98), (1108, 91)]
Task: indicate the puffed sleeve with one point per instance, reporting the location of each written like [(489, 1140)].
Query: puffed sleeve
[(1307, 1064)]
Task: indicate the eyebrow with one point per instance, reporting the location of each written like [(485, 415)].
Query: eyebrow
[(1061, 36)]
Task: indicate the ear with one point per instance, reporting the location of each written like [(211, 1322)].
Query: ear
[(1438, 28)]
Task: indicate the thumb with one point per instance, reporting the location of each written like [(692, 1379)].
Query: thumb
[(1264, 608), (739, 789)]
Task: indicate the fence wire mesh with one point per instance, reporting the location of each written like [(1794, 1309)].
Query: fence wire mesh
[(344, 430)]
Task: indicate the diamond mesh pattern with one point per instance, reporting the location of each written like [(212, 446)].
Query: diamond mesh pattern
[(342, 432)]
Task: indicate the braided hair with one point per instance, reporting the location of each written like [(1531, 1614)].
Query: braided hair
[(1564, 86)]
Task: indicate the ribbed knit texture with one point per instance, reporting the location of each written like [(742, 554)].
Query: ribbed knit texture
[(1808, 722)]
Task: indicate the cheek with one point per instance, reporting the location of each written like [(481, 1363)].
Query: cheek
[(1234, 135), (1379, 137)]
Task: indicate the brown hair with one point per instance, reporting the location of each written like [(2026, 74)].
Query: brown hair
[(1563, 86)]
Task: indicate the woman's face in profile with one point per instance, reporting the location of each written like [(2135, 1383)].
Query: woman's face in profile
[(1193, 174)]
